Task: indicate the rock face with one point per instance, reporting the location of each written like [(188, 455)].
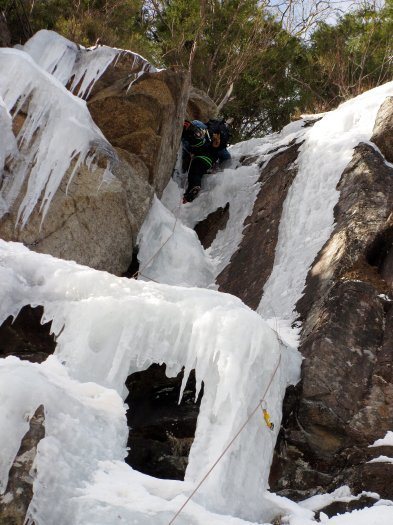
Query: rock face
[(207, 229), (200, 106), (95, 220), (5, 36), (252, 263), (345, 400), (19, 492), (92, 222), (383, 129), (144, 119)]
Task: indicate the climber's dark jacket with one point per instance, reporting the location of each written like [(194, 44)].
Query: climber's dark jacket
[(198, 155)]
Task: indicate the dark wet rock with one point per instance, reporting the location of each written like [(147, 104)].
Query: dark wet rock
[(19, 492), (247, 160), (5, 35), (25, 337), (340, 507), (252, 263), (345, 400), (161, 430), (208, 228)]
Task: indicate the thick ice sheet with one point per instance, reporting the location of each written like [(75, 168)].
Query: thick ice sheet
[(84, 424), (307, 219), (167, 248), (108, 327)]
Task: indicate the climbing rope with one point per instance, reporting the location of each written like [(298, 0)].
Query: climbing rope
[(139, 272), (261, 404), (176, 214), (267, 420)]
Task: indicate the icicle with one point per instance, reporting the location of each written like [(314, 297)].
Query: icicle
[(54, 53), (69, 62), (58, 130), (115, 326), (8, 147)]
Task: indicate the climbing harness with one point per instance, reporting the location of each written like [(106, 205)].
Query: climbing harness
[(260, 404)]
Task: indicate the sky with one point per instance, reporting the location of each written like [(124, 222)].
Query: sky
[(298, 11)]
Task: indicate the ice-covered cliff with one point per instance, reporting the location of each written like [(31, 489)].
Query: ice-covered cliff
[(275, 212)]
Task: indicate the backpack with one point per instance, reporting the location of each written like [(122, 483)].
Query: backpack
[(218, 129)]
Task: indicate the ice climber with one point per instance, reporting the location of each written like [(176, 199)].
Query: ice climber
[(203, 146)]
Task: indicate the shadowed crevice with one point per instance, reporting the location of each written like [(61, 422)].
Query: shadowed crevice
[(25, 337), (161, 431)]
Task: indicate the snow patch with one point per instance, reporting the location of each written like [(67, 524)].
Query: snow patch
[(381, 459), (386, 441), (341, 494)]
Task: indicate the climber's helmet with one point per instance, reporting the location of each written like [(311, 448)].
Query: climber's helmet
[(199, 133), (199, 129)]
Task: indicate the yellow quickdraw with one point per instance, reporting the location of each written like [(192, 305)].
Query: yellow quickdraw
[(266, 417)]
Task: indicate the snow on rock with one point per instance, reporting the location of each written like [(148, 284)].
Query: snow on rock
[(57, 131), (107, 328), (265, 147), (377, 515), (307, 218), (68, 61), (342, 494), (381, 459), (386, 441)]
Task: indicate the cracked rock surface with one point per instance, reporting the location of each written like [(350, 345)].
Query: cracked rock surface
[(15, 502)]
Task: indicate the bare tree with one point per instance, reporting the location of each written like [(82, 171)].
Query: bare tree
[(299, 17)]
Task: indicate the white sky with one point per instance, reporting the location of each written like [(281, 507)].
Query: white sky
[(297, 12)]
